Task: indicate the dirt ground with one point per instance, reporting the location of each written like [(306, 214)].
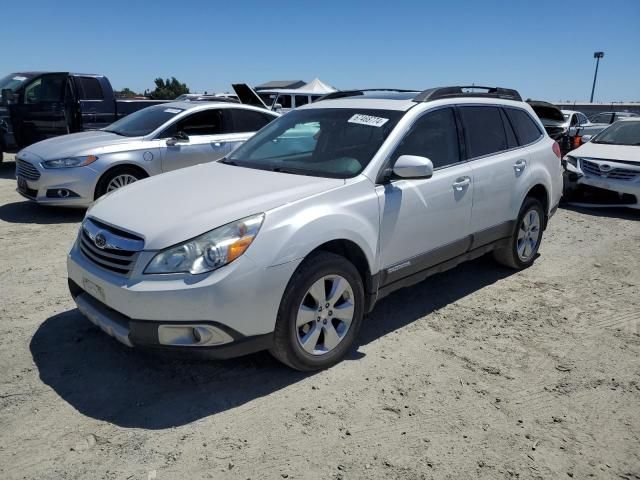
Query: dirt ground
[(476, 373)]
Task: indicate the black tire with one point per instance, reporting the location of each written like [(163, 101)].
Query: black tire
[(101, 187), (286, 347), (508, 256), (1, 157)]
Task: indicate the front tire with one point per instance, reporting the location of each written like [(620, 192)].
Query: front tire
[(320, 313), (525, 241), (117, 178)]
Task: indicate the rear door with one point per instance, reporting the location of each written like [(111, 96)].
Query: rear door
[(205, 130), (41, 111), (497, 165), (426, 221), (97, 111)]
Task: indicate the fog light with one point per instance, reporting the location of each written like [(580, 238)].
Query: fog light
[(190, 335)]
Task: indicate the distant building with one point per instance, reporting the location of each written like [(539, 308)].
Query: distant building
[(281, 84)]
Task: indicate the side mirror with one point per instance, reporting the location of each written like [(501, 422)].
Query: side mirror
[(179, 137), (8, 97), (277, 107), (586, 138), (413, 166)]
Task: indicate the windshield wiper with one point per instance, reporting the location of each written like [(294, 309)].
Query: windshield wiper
[(226, 161)]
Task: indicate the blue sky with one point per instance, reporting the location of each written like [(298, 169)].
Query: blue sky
[(542, 48)]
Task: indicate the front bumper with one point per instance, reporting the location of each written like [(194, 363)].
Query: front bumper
[(627, 190), (81, 181), (230, 312)]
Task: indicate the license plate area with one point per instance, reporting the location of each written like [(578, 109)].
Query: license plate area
[(22, 185), (93, 289)]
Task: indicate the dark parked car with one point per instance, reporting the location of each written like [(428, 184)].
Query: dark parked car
[(553, 121), (40, 105)]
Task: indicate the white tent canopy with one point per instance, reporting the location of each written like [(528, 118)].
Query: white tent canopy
[(317, 86)]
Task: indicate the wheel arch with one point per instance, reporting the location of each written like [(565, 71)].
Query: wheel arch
[(541, 193), (116, 167), (355, 254)]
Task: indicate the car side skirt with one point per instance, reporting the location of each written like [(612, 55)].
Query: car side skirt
[(416, 269)]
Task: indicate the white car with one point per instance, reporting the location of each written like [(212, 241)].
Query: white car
[(73, 170), (287, 242), (608, 162)]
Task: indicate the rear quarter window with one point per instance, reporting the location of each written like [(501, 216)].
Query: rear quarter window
[(526, 128)]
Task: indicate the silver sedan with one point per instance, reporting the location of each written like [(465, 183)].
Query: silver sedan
[(76, 169)]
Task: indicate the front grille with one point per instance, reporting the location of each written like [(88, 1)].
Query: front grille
[(119, 252), (26, 170), (592, 168)]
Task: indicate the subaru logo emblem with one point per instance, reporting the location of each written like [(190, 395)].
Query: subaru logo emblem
[(100, 240), (605, 167)]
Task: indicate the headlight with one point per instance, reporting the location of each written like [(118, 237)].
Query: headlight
[(70, 162), (209, 251), (571, 160)]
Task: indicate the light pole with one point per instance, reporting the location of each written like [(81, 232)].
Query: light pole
[(597, 56)]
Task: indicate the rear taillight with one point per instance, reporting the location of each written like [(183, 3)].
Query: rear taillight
[(556, 150)]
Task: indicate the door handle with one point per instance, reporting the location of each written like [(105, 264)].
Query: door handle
[(461, 183), (520, 165)]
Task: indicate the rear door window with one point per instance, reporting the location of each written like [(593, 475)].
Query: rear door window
[(484, 131), (243, 121), (90, 88), (525, 127), (434, 136)]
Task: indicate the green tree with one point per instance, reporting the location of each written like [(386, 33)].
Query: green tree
[(168, 89), (126, 93)]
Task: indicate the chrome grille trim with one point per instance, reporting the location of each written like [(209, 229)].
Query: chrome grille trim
[(26, 170), (118, 254), (617, 173), (113, 240)]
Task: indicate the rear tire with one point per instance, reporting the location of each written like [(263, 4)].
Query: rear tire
[(525, 241), (121, 176), (320, 313)]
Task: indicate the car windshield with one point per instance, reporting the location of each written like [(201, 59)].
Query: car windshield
[(144, 121), (13, 81), (620, 133), (332, 142)]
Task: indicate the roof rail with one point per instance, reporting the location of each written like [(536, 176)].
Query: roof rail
[(467, 91), (355, 93)]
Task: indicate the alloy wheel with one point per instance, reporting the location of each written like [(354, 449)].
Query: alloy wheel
[(120, 181), (325, 314), (528, 235)]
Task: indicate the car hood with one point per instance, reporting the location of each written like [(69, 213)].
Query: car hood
[(170, 208), (78, 144), (625, 153)]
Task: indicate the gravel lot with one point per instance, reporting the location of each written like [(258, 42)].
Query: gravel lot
[(476, 373)]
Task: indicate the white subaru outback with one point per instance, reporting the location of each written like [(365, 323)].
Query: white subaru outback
[(287, 242)]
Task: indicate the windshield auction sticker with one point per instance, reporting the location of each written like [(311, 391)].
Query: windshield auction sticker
[(368, 120), (172, 110), (19, 79)]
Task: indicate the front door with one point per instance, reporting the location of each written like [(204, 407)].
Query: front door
[(41, 111), (206, 141), (426, 221)]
